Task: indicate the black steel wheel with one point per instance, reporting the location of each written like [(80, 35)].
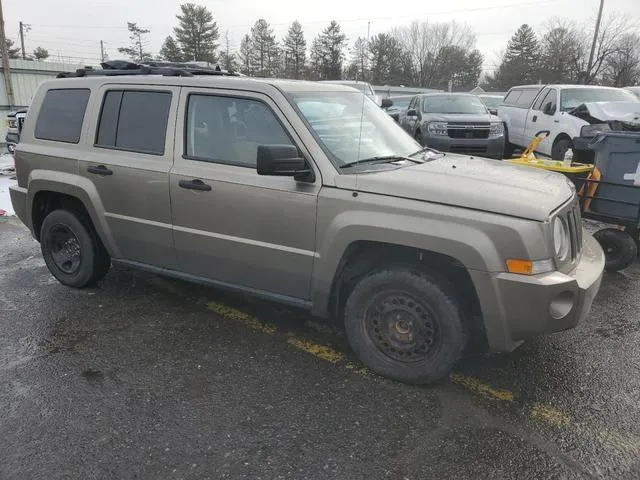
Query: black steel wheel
[(620, 249), (405, 325), (72, 250)]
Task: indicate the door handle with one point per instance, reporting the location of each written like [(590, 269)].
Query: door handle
[(535, 117), (195, 184), (99, 170)]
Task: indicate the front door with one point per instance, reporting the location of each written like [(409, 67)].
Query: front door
[(128, 164), (230, 224), (538, 121)]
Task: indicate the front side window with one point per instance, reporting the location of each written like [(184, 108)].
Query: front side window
[(351, 127), (539, 101), (571, 98), (229, 130), (527, 96), (512, 97), (134, 121), (453, 104), (61, 115)]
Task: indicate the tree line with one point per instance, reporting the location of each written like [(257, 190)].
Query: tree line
[(13, 51), (420, 54)]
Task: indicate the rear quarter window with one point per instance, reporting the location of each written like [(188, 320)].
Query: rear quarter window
[(61, 115)]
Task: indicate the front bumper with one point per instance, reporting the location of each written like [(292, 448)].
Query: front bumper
[(521, 307), (492, 147)]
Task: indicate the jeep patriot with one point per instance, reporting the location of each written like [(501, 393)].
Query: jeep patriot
[(307, 194)]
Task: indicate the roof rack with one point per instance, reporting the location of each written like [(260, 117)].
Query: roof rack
[(167, 69)]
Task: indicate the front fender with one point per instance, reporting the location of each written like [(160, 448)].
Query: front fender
[(74, 186)]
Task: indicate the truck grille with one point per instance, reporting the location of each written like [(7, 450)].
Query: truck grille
[(575, 230), (469, 149), (468, 130)]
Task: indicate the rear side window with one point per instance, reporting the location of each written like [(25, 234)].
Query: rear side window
[(61, 115), (134, 121), (512, 97)]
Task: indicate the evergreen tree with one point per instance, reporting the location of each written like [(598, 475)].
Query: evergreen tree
[(170, 51), (196, 33), (265, 49), (137, 50), (520, 63), (294, 51)]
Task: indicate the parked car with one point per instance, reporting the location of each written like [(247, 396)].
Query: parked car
[(399, 107), (491, 102), (562, 110), (302, 193), (365, 88), (15, 120), (634, 90), (454, 122)]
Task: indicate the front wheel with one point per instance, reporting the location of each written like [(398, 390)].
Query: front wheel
[(620, 249), (560, 147), (404, 325)]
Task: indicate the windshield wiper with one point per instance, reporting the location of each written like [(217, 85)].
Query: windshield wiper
[(431, 150), (380, 159)]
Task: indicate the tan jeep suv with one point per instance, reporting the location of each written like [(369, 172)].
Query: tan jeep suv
[(307, 194)]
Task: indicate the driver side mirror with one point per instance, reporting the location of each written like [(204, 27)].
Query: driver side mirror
[(283, 161), (386, 103), (493, 111), (549, 108), (412, 112)]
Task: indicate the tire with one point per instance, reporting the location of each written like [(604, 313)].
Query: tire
[(509, 148), (420, 323), (419, 139), (72, 251), (620, 249), (560, 148)]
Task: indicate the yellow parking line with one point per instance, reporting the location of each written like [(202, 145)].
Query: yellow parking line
[(550, 415), (243, 317), (317, 350), (481, 388)]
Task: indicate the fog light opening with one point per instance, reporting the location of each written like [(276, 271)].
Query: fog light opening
[(562, 305)]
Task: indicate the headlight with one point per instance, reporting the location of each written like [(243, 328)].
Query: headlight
[(496, 129), (561, 238), (437, 128), (593, 130), (12, 123)]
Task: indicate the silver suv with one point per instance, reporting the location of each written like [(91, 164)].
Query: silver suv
[(306, 194)]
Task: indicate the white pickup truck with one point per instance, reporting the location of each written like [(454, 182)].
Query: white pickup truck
[(562, 110)]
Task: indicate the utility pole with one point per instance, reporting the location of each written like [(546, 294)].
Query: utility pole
[(102, 50), (22, 27), (593, 44), (6, 69)]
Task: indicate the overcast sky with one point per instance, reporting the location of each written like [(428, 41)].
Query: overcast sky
[(74, 28)]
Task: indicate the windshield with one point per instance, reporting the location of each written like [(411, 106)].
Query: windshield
[(491, 102), (400, 102), (452, 104), (574, 97), (350, 127)]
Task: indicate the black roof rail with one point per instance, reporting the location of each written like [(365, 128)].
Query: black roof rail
[(167, 69)]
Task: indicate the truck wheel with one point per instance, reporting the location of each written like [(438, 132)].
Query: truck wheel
[(560, 148), (72, 251), (405, 326), (620, 249), (509, 147)]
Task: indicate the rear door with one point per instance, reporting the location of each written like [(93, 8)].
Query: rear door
[(129, 166), (232, 225)]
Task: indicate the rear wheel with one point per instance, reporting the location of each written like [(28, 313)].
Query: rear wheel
[(71, 250), (620, 249), (404, 325)]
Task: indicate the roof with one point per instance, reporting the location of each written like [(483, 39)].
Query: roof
[(229, 82), (447, 94), (561, 86)]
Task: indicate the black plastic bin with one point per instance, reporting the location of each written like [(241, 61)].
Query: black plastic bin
[(617, 157)]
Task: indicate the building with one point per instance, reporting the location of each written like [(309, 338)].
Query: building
[(26, 76)]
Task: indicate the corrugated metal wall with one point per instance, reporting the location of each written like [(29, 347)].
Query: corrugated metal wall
[(26, 76)]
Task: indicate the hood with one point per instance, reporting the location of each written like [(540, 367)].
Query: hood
[(456, 117), (599, 112), (470, 182)]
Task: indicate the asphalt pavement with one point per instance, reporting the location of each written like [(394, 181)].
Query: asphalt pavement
[(145, 377)]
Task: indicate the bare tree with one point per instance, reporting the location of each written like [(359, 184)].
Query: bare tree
[(622, 67), (612, 29), (564, 52)]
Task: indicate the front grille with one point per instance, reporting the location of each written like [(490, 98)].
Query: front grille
[(468, 130), (575, 230), (470, 149)]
